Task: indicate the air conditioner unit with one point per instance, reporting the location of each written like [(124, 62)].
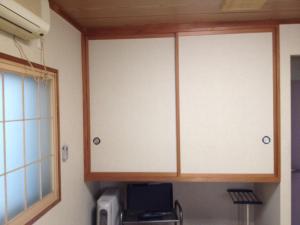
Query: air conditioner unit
[(27, 19)]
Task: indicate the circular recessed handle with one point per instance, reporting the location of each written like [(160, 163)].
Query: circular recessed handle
[(96, 140), (266, 140)]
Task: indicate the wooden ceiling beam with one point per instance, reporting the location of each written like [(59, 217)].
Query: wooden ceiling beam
[(162, 30)]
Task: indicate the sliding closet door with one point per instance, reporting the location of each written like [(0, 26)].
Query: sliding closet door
[(226, 103), (132, 105)]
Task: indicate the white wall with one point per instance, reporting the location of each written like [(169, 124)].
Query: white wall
[(289, 45), (207, 203), (63, 52), (269, 212)]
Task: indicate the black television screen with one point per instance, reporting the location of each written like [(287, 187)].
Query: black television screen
[(150, 197)]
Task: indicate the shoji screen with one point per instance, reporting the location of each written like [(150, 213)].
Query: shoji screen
[(132, 105), (27, 144), (227, 103)]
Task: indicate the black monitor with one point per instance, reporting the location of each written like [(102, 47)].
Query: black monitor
[(150, 197)]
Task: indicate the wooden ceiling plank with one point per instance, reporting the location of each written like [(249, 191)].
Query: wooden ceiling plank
[(87, 14), (188, 7), (60, 11), (113, 22), (109, 15)]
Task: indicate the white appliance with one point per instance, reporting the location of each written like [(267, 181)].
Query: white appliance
[(108, 208), (27, 19)]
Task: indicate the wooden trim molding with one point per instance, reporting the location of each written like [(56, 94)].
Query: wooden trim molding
[(248, 178), (230, 30), (168, 30), (174, 177), (276, 103), (177, 97), (44, 212), (130, 176), (86, 106), (151, 32), (24, 62), (60, 11)]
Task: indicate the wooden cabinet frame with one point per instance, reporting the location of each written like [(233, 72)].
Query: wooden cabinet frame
[(182, 31)]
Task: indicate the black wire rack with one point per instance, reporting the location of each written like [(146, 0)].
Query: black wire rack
[(244, 197)]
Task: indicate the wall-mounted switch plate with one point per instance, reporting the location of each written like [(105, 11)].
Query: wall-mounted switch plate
[(65, 153)]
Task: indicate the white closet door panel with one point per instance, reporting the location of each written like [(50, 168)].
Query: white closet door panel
[(226, 103), (132, 105)]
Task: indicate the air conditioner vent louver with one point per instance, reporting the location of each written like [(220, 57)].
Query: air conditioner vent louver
[(17, 20)]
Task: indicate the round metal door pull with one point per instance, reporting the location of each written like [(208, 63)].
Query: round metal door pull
[(266, 140), (96, 141)]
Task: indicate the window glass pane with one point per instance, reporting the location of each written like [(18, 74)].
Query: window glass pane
[(46, 176), (30, 97), (46, 136), (33, 184), (26, 136), (1, 99), (45, 98), (2, 200), (13, 97), (1, 150), (14, 145), (31, 141), (15, 193)]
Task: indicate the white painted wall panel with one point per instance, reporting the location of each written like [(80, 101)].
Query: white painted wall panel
[(226, 102), (132, 99)]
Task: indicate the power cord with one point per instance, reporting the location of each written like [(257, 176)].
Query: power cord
[(42, 56)]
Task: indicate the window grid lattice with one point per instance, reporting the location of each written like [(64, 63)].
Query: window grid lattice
[(25, 165)]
